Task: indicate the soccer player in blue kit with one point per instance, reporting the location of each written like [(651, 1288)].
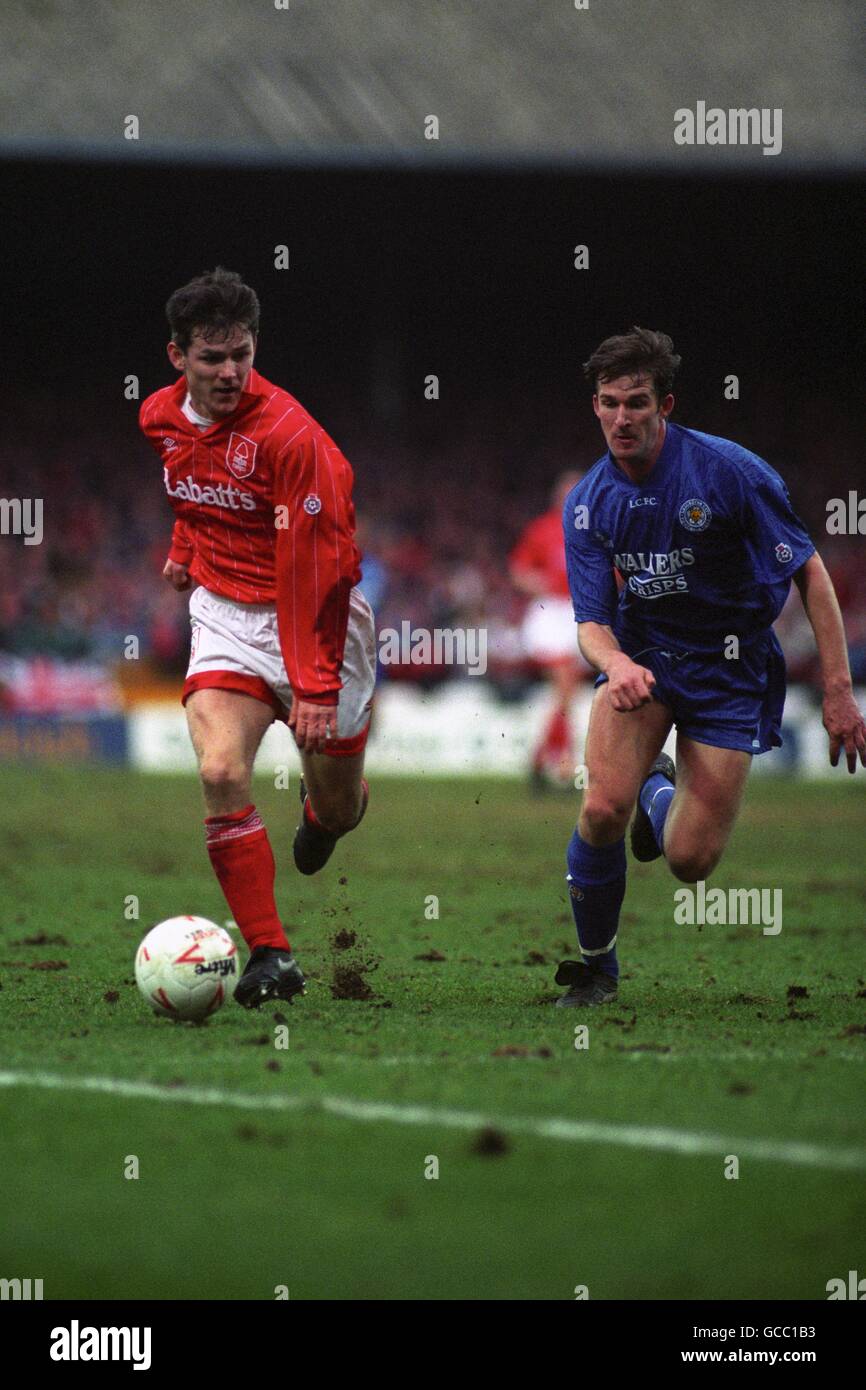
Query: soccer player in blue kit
[(701, 539)]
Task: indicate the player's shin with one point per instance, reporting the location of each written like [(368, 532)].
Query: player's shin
[(243, 861), (596, 885)]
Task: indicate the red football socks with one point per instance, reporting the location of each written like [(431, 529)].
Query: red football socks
[(243, 861)]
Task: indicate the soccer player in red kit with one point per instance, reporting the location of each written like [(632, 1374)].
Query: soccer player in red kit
[(537, 567), (265, 531)]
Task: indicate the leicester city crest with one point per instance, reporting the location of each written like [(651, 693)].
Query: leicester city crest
[(695, 515)]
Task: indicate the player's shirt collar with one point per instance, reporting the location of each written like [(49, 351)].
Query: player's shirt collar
[(255, 389), (660, 470)]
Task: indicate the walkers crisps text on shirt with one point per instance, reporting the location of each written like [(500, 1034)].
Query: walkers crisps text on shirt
[(225, 484), (706, 546)]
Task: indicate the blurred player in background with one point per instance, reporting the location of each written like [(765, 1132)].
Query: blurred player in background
[(537, 566), (703, 538), (265, 530)]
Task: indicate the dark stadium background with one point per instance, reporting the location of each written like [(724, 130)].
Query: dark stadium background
[(395, 274)]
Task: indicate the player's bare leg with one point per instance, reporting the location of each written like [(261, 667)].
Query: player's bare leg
[(564, 680), (335, 788), (334, 798), (620, 748), (553, 757), (226, 728), (709, 791)]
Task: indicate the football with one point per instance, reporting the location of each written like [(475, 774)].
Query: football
[(186, 968)]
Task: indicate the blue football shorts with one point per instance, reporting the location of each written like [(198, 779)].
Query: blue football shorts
[(735, 703)]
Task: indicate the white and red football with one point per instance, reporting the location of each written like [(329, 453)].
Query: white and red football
[(186, 968)]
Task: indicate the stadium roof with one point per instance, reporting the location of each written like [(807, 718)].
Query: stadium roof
[(354, 80)]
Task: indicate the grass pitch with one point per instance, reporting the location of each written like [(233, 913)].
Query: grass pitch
[(724, 1042)]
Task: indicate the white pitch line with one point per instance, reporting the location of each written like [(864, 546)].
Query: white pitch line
[(572, 1131), (408, 1059)]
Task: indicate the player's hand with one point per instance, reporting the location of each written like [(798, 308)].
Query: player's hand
[(630, 685), (314, 726), (177, 575), (846, 727)]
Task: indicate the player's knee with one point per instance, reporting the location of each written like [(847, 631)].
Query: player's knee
[(691, 865), (223, 775), (603, 813)]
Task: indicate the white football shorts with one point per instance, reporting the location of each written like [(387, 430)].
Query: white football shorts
[(549, 631), (236, 646)]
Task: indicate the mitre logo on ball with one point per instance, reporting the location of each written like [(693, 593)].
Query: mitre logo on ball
[(241, 455)]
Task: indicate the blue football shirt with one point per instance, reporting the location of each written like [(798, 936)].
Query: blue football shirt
[(707, 545)]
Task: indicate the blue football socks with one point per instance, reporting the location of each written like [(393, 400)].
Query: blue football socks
[(596, 885), (655, 798)]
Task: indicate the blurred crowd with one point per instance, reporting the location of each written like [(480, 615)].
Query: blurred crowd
[(440, 503)]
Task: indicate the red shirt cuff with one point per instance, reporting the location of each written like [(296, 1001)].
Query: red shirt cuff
[(329, 697)]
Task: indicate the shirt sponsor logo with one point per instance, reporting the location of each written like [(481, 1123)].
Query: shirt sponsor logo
[(241, 455), (695, 515), (658, 588), (312, 504), (784, 553), (188, 490), (653, 575), (648, 562)]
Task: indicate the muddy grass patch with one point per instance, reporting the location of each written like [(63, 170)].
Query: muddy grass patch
[(352, 963)]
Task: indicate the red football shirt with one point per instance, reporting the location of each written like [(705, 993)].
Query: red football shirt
[(263, 501), (541, 549)]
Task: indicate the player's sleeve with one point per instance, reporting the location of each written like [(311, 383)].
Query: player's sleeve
[(181, 549), (591, 578), (776, 538), (314, 565)]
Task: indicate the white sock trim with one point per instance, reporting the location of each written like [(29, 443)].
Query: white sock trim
[(602, 951)]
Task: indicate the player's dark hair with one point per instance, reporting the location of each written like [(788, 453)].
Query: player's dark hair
[(640, 352), (212, 304)]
